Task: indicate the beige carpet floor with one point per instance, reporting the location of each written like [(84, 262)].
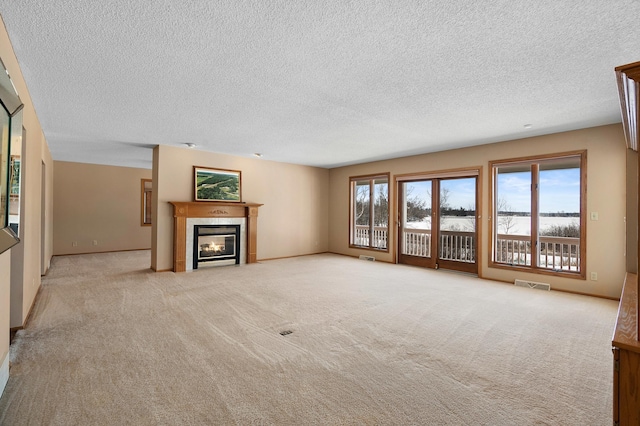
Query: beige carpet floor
[(112, 343)]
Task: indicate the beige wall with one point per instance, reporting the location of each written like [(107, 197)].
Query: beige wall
[(606, 195), (31, 257), (21, 268), (5, 262), (98, 203), (292, 222)]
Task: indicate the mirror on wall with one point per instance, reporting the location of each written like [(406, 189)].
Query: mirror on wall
[(146, 202), (11, 125)]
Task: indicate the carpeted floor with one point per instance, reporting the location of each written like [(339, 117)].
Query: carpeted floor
[(112, 343)]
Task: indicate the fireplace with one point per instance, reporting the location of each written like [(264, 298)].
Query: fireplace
[(216, 243), (188, 214)]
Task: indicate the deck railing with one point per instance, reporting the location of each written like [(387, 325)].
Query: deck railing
[(380, 236), (417, 242), (454, 245), (556, 253), (458, 246)]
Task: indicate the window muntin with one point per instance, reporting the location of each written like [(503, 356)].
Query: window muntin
[(369, 218), (539, 215)]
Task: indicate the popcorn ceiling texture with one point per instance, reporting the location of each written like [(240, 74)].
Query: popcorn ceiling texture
[(112, 343), (322, 83)]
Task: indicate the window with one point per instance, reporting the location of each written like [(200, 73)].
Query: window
[(369, 213), (146, 193), (538, 212)]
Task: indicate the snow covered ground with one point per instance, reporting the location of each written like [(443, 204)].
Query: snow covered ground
[(521, 225)]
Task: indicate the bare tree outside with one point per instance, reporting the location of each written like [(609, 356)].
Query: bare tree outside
[(417, 209), (506, 219), (361, 207), (381, 204)]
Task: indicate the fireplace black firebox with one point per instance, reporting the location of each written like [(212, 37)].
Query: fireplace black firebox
[(213, 243)]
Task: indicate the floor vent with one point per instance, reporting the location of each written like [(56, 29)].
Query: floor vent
[(285, 332), (532, 284), (369, 258)]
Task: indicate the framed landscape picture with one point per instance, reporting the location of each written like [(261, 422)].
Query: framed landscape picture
[(217, 184)]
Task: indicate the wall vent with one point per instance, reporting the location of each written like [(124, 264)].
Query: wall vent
[(532, 284), (369, 258)]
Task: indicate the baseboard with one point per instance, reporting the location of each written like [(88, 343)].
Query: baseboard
[(356, 256), (100, 252), (14, 330), (290, 257), (4, 373), (33, 304), (617, 299), (12, 334)]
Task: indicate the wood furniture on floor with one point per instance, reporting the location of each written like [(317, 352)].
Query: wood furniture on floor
[(626, 356), (184, 210)]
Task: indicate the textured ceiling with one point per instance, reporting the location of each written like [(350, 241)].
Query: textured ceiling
[(323, 83)]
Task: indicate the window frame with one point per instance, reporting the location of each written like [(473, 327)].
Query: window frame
[(534, 193), (145, 202), (371, 178)]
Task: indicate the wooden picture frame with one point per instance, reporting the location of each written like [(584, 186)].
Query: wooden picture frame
[(217, 185)]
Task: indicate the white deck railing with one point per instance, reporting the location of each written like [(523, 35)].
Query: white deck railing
[(556, 253), (417, 242), (458, 246), (380, 236), (454, 245)]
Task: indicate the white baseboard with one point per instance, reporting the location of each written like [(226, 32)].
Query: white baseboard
[(4, 373)]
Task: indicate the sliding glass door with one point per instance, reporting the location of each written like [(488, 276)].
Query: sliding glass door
[(438, 223), (416, 217)]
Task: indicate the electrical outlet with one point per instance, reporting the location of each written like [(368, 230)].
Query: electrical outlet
[(74, 244), (594, 276), (95, 242)]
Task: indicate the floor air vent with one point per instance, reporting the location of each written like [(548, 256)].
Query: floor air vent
[(532, 284), (369, 258), (285, 332)]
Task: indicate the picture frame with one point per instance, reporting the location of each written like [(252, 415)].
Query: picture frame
[(217, 185)]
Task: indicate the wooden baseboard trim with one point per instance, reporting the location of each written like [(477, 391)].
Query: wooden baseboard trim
[(617, 299), (291, 257), (356, 256), (12, 334), (14, 330), (99, 252), (556, 289), (30, 314)]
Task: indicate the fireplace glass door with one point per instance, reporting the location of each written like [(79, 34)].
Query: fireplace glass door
[(216, 243)]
